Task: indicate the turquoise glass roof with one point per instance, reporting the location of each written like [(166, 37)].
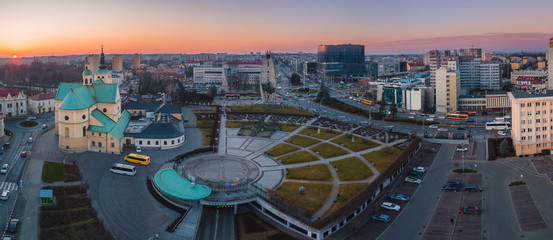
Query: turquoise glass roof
[(171, 183), (77, 99)]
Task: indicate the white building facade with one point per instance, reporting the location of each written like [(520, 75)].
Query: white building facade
[(13, 103), (490, 76), (447, 81), (42, 103)]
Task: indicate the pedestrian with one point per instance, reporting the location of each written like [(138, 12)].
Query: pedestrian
[(451, 220)]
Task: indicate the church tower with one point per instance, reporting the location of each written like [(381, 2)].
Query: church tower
[(87, 74), (103, 73)]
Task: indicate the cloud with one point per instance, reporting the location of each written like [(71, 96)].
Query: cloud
[(488, 41)]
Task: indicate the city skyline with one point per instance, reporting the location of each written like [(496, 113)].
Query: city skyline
[(36, 28)]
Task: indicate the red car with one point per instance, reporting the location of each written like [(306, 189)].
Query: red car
[(23, 154), (470, 209)]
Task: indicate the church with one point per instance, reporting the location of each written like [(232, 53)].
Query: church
[(88, 115)]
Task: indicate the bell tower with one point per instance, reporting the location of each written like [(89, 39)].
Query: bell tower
[(88, 77)]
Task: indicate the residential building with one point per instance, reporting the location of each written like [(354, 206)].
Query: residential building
[(93, 61), (12, 103), (88, 115), (531, 83), (414, 98), (549, 56), (136, 61), (532, 117), (434, 62), (447, 80), (527, 73), (210, 75), (469, 70), (42, 103), (117, 63), (486, 56)]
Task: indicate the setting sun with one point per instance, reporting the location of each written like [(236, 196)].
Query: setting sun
[(14, 56)]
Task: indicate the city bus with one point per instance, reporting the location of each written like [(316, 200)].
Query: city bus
[(457, 116), (366, 101), (137, 158), (470, 113), (123, 169), (498, 125)]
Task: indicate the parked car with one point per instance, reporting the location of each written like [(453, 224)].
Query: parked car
[(399, 197), (44, 125), (501, 133), (441, 117), (30, 140), (413, 113), (13, 225), (8, 237), (473, 188), (419, 169), (451, 188), (4, 168), (432, 126), (413, 180), (390, 206), (429, 119), (460, 184), (5, 195), (462, 149), (470, 209), (138, 149), (381, 218), (23, 154)]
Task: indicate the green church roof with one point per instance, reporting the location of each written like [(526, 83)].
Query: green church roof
[(77, 99), (102, 71), (116, 129), (64, 88), (103, 119), (171, 183), (87, 72)]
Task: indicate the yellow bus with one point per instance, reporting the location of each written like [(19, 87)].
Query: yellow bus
[(457, 116), (137, 158), (366, 101)]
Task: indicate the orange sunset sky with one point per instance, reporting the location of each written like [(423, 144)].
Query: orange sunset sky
[(61, 27)]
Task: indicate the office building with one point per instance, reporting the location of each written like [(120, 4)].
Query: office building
[(532, 118), (490, 76), (117, 63), (469, 70), (136, 61), (549, 55), (447, 80), (340, 61)]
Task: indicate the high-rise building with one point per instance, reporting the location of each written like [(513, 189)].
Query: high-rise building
[(341, 60), (531, 113), (550, 64), (475, 52), (117, 63), (136, 61), (434, 61), (94, 62), (447, 80), (490, 76), (469, 70), (486, 56), (267, 82)]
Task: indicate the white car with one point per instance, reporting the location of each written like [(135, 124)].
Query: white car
[(441, 117), (462, 149), (138, 149), (442, 129), (432, 115), (4, 168), (432, 126), (413, 180), (5, 195), (390, 206), (501, 133), (419, 169), (411, 117), (413, 113), (429, 119)]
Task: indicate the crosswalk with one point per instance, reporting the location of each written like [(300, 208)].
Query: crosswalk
[(12, 186)]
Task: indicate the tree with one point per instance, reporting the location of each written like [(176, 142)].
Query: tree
[(393, 108), (295, 79), (324, 96), (505, 147), (382, 103), (212, 91)]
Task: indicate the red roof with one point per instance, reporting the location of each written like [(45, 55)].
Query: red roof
[(5, 92), (43, 96)]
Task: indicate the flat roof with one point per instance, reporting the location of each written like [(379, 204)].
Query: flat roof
[(532, 94), (171, 183)]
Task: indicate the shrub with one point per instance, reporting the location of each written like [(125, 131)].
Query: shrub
[(516, 183), (505, 147), (467, 170)]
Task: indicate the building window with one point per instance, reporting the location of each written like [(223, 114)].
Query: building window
[(545, 144), (522, 104), (100, 134), (84, 116), (537, 112), (523, 130), (112, 145), (529, 138), (172, 141), (99, 144), (84, 131), (529, 113), (537, 121), (93, 144), (529, 104), (66, 132), (66, 118), (538, 145), (178, 140), (522, 122), (529, 121), (529, 130), (523, 147), (148, 142), (104, 110), (165, 142), (538, 137), (544, 128), (140, 142), (529, 146), (522, 138), (92, 133), (157, 143), (111, 138)]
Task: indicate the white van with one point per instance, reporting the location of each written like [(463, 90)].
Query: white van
[(124, 169)]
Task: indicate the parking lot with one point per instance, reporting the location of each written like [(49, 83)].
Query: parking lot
[(529, 217)]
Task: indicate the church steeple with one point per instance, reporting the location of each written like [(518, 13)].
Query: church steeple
[(102, 60)]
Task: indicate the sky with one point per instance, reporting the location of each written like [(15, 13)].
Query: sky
[(65, 27)]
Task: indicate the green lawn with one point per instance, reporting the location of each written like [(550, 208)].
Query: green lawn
[(298, 157), (383, 157), (288, 127), (234, 124), (302, 141), (347, 191), (52, 172), (312, 199), (205, 123), (357, 145), (327, 150), (206, 133), (325, 133), (352, 169), (318, 172), (281, 149)]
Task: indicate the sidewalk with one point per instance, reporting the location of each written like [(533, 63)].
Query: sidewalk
[(32, 184)]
